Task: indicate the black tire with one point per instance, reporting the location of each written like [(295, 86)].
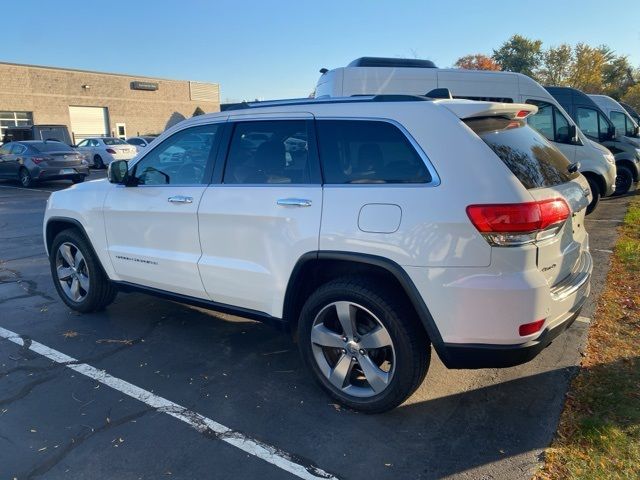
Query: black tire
[(101, 291), (78, 179), (624, 179), (97, 162), (595, 193), (409, 340), (25, 178)]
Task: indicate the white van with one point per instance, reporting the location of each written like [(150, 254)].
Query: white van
[(374, 76), (626, 127)]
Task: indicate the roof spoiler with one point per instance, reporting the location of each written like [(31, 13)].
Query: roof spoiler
[(516, 111)]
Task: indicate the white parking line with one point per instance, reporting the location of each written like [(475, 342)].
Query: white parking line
[(199, 422), (27, 189)]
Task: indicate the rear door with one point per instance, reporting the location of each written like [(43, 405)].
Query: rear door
[(152, 226), (264, 212)]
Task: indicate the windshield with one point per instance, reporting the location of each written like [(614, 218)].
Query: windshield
[(113, 141), (529, 156), (51, 147)]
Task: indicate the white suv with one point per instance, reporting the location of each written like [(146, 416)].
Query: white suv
[(348, 221)]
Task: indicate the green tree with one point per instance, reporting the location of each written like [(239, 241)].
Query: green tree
[(617, 76), (556, 65), (519, 54), (477, 61)]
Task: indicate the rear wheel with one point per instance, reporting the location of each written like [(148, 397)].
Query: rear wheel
[(97, 162), (595, 193), (25, 177), (624, 179), (77, 274), (363, 346)]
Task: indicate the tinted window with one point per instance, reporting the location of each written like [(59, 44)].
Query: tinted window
[(51, 147), (135, 141), (587, 120), (181, 159), (531, 158), (269, 152), (552, 124), (358, 151)]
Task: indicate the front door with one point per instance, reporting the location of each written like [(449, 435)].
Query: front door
[(152, 226), (553, 125), (263, 216)]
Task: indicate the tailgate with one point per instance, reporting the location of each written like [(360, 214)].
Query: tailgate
[(558, 256)]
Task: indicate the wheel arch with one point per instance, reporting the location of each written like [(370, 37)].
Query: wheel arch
[(315, 268), (629, 164), (55, 225), (599, 179)]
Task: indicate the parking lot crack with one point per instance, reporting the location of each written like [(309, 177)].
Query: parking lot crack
[(25, 390), (77, 440)]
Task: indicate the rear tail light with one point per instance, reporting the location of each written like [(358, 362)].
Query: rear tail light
[(530, 328), (111, 151), (512, 224), (38, 160)]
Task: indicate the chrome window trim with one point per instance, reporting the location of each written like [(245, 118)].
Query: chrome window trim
[(435, 178)]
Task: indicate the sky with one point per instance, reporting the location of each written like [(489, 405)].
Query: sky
[(274, 49)]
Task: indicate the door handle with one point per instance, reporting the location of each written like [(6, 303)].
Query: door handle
[(180, 199), (294, 202)]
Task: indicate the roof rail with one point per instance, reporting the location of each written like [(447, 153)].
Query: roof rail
[(391, 62), (327, 100)]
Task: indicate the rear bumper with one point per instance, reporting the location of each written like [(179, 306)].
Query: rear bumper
[(473, 356), (54, 173)]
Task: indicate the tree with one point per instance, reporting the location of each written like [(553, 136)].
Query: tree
[(617, 76), (632, 97), (556, 65), (519, 54), (587, 68), (198, 111), (477, 62)]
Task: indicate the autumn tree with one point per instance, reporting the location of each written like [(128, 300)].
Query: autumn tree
[(477, 62), (632, 97), (556, 65), (519, 54), (617, 76), (587, 69)]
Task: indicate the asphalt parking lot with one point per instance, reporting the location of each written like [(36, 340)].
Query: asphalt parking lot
[(229, 372)]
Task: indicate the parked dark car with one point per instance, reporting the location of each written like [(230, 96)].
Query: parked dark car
[(33, 160), (37, 132)]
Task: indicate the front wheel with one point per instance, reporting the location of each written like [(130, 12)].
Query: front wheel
[(77, 274), (624, 180), (595, 194), (363, 346)]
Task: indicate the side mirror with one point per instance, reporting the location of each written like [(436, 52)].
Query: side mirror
[(636, 131), (118, 172), (573, 133)]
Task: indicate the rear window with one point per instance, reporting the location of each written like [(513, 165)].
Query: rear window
[(364, 151), (52, 146), (529, 156), (113, 141)]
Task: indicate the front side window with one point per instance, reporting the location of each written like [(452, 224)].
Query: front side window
[(623, 123), (530, 157), (587, 119), (362, 151), (552, 124), (266, 152), (181, 159)]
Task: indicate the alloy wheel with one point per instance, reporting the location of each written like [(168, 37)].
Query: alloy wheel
[(353, 349), (72, 271)]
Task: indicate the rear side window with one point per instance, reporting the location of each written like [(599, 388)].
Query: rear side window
[(529, 156), (361, 151)]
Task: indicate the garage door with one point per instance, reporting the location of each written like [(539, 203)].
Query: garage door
[(89, 122)]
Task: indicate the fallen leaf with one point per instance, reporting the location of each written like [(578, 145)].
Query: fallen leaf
[(70, 334), (114, 340)]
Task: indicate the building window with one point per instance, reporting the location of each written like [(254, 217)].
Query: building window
[(14, 119)]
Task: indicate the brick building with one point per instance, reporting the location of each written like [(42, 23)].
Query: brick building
[(98, 104)]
